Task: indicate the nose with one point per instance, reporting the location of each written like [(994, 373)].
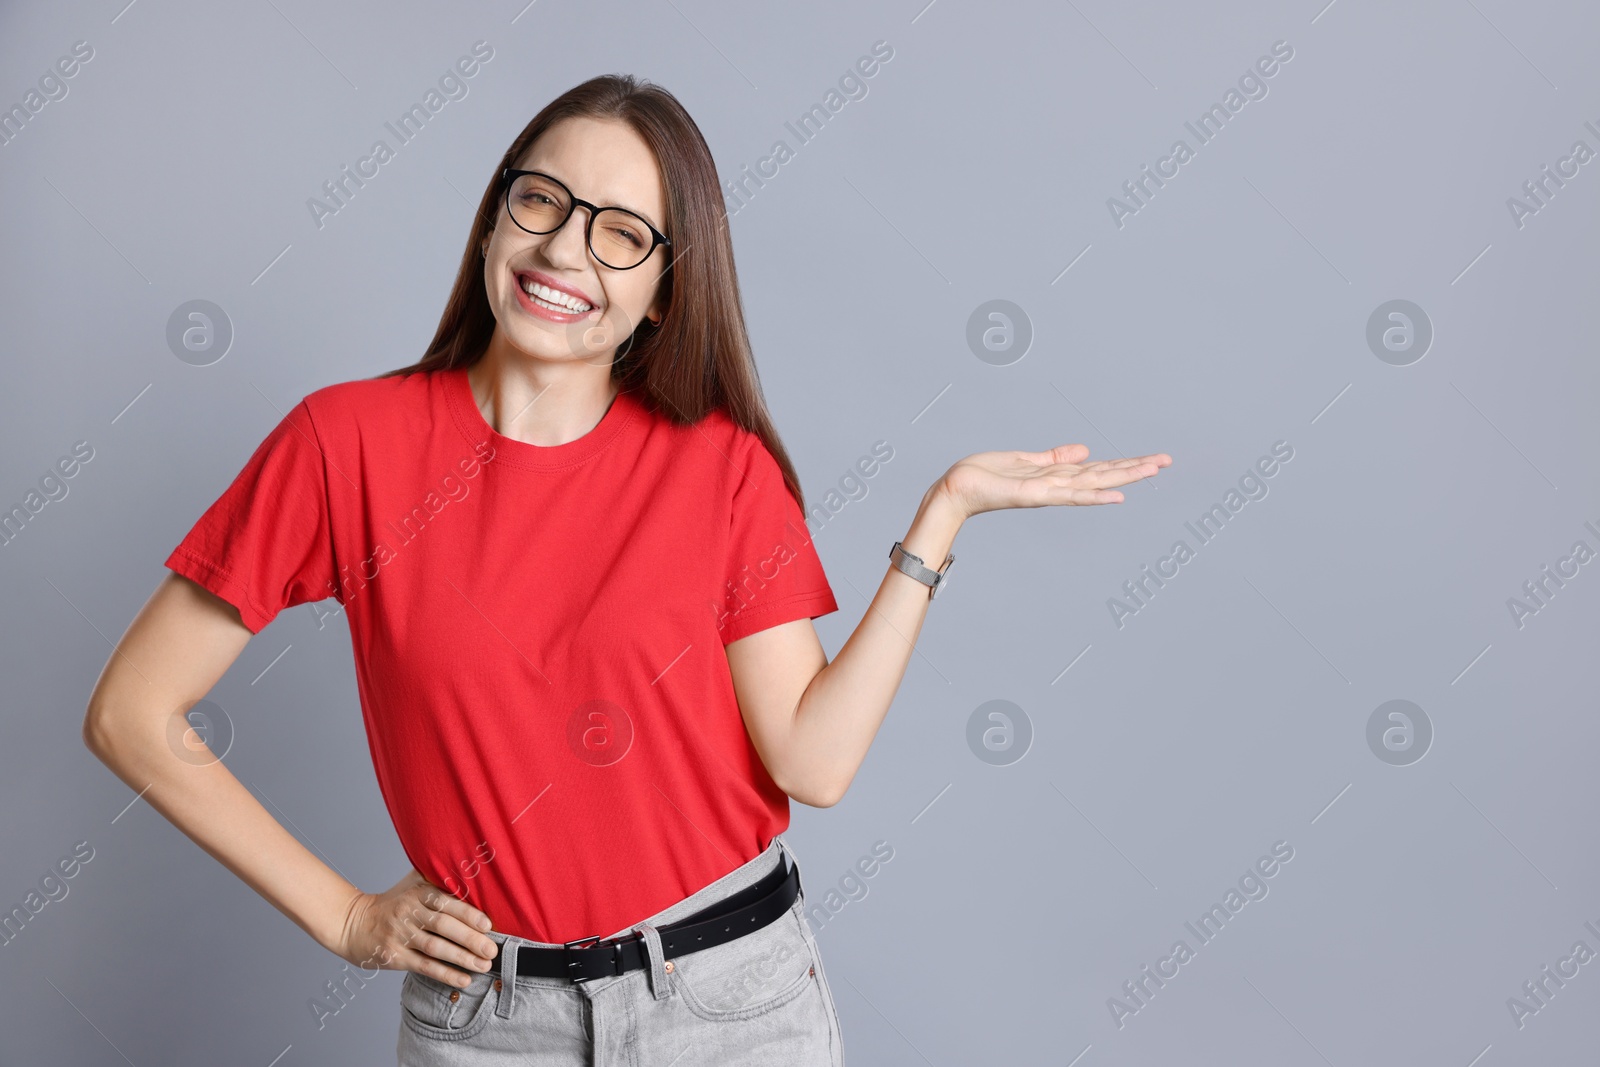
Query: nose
[(568, 246)]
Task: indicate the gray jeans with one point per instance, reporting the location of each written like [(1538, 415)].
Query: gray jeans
[(758, 1000)]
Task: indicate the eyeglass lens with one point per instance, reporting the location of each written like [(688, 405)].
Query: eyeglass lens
[(618, 238)]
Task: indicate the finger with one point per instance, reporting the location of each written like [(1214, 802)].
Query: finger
[(1131, 461), (442, 948), (454, 905), (1085, 496), (1106, 478), (1095, 465), (438, 914), (422, 963), (1103, 465), (1048, 492), (1075, 453), (448, 926)]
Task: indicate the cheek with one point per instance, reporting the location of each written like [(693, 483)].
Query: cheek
[(627, 306), (637, 297), (496, 286), (498, 280)]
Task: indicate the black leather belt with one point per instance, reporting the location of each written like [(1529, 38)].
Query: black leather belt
[(749, 909)]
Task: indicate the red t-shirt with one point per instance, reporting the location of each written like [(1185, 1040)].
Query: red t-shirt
[(538, 632)]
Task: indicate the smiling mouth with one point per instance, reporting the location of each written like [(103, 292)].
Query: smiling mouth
[(553, 299)]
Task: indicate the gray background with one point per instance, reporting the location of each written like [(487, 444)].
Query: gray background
[(1228, 314)]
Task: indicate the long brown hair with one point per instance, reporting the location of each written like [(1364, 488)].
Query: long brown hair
[(698, 357)]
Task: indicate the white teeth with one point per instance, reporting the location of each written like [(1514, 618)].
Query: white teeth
[(541, 302), (560, 301)]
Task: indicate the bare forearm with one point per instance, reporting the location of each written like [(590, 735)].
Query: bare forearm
[(819, 746), (221, 816), (846, 702)]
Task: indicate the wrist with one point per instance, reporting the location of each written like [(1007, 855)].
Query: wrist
[(941, 500), (333, 931), (940, 510), (933, 532)]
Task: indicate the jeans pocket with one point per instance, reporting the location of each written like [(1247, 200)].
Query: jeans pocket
[(433, 1009), (748, 976)]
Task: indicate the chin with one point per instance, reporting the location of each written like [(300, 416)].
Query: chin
[(537, 344)]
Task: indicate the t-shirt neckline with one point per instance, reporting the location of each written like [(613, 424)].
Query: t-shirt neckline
[(511, 452)]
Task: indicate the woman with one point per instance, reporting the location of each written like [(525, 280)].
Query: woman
[(573, 556)]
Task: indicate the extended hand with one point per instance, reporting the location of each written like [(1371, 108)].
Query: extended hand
[(415, 927), (989, 481)]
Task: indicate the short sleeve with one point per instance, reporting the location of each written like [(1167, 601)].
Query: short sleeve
[(772, 573), (266, 543)]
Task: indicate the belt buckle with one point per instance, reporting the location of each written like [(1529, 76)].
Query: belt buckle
[(592, 941)]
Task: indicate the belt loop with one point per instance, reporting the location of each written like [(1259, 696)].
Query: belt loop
[(654, 960), (508, 978), (799, 878)]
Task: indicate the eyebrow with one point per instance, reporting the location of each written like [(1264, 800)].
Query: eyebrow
[(624, 207)]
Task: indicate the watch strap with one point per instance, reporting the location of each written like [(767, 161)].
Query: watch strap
[(913, 565)]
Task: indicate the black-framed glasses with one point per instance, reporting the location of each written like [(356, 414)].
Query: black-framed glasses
[(616, 236)]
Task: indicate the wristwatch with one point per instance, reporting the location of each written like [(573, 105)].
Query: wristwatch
[(913, 565)]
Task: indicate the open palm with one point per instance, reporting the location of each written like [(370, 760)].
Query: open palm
[(989, 481)]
